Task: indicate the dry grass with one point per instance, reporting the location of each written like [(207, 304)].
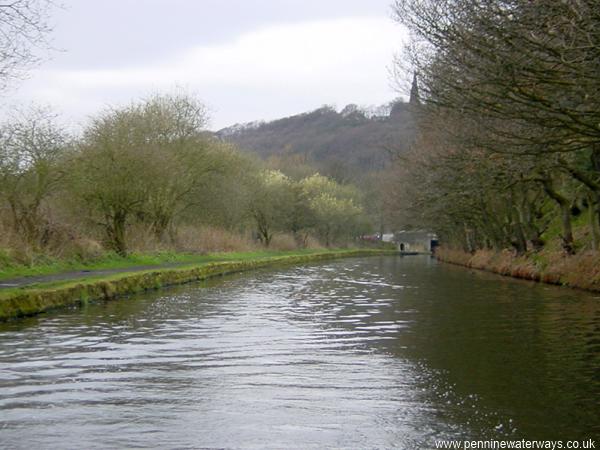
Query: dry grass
[(141, 239), (549, 266), (313, 243), (77, 242), (283, 242), (57, 241), (210, 239)]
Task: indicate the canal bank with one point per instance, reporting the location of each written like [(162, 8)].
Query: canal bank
[(31, 300), (580, 271)]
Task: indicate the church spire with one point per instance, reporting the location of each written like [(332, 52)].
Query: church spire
[(414, 91)]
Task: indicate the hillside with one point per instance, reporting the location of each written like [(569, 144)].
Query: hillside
[(340, 144)]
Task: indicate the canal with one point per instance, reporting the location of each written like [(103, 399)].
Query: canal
[(380, 352)]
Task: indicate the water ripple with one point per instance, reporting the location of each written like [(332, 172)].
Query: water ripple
[(375, 353)]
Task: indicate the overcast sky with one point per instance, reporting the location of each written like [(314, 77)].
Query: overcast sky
[(247, 60)]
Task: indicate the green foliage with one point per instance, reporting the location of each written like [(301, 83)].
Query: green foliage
[(271, 203), (147, 162), (5, 259), (145, 176), (335, 208), (314, 205)]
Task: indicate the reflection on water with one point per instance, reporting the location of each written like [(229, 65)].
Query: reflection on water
[(376, 352)]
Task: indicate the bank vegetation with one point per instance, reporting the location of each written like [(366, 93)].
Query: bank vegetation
[(34, 299), (507, 157), (149, 177)]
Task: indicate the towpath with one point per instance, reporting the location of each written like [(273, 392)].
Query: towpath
[(74, 275)]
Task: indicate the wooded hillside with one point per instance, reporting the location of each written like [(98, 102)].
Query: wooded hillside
[(339, 144)]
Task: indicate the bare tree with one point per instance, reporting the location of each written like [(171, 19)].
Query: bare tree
[(519, 81), (31, 147), (24, 28)]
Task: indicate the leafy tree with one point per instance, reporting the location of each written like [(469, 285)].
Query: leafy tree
[(271, 203), (225, 196), (336, 208), (145, 162)]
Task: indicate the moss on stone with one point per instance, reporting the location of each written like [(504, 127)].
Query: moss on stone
[(31, 301)]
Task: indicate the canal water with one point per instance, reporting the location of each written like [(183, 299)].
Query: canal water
[(380, 352)]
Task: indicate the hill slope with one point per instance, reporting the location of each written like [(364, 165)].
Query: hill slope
[(340, 144)]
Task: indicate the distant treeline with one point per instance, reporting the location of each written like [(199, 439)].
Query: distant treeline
[(344, 145), (151, 172), (508, 149)]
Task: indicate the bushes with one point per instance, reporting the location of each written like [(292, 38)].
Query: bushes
[(147, 177)]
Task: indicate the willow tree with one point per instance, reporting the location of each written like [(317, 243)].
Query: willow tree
[(336, 209), (144, 162), (271, 204)]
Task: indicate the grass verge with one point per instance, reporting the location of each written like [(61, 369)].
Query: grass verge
[(578, 271), (110, 261), (32, 300)]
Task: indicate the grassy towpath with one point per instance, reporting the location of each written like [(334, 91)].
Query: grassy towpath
[(51, 289), (22, 276)]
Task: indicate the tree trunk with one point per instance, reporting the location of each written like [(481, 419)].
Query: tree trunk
[(327, 236), (518, 240), (594, 197), (594, 211), (595, 158), (264, 233), (160, 225), (565, 214), (115, 231), (567, 237), (469, 240), (527, 217), (301, 239)]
